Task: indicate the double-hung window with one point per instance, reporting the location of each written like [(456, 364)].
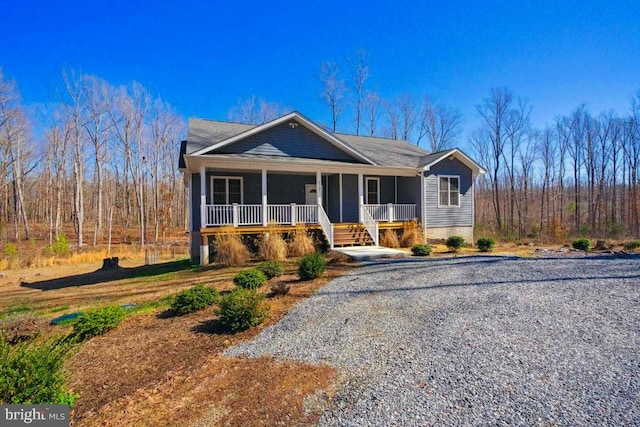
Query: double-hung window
[(372, 186), (226, 190), (448, 190)]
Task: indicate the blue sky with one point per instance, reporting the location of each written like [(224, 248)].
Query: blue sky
[(201, 56)]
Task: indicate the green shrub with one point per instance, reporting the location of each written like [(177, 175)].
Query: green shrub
[(311, 266), (250, 279), (631, 245), (60, 247), (485, 244), (31, 373), (242, 308), (421, 249), (271, 269), (193, 299), (582, 244), (97, 322), (454, 243), (10, 250)]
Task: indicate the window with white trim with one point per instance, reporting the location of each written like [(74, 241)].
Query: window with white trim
[(226, 190), (448, 190), (372, 193)]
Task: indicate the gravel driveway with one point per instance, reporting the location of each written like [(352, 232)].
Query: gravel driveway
[(473, 341)]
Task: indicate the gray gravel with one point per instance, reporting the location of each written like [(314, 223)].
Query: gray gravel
[(473, 341)]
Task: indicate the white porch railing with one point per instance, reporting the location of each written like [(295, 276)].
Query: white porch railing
[(236, 215), (391, 212), (370, 224), (327, 226)]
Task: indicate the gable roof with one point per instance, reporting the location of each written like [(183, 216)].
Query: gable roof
[(205, 136), (297, 117)]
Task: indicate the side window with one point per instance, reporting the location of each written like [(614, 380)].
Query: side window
[(448, 191)]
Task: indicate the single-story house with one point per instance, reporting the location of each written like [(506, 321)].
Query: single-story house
[(293, 171)]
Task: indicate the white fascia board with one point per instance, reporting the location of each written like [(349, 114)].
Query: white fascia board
[(298, 117)]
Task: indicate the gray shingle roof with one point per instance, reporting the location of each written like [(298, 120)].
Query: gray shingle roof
[(203, 133)]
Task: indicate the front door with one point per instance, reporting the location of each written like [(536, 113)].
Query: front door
[(310, 194)]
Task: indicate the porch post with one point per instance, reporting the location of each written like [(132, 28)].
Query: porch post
[(360, 196), (319, 188), (340, 182), (391, 212), (264, 198), (204, 240)]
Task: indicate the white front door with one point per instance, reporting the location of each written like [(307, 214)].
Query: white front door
[(310, 194)]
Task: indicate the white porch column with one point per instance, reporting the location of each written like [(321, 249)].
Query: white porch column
[(360, 196), (204, 241), (319, 189), (340, 185), (264, 197)]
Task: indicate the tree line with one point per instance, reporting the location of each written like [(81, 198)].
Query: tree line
[(105, 158)]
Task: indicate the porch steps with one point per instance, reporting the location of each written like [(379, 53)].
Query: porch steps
[(351, 234)]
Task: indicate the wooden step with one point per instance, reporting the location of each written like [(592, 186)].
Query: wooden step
[(351, 234)]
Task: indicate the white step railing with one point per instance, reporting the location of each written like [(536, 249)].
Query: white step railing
[(391, 212), (370, 224), (327, 226)]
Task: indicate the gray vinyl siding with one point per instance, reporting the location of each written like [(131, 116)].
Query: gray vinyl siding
[(350, 198), (449, 216), (195, 201), (333, 198), (282, 140), (285, 189), (409, 191)]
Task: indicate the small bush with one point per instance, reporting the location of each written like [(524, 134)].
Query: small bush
[(454, 243), (272, 247), (193, 299), (389, 239), (97, 322), (250, 279), (271, 269), (241, 309), (411, 235), (631, 245), (280, 288), (421, 249), (230, 251), (10, 250), (311, 266), (485, 244), (32, 373), (581, 244), (301, 243)]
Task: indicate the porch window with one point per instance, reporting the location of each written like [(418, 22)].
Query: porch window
[(449, 190), (373, 191), (226, 190)]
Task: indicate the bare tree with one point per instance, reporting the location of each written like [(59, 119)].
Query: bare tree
[(372, 112), (440, 125), (359, 77), (333, 90), (254, 111)]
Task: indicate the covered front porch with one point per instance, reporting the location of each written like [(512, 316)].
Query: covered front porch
[(249, 199)]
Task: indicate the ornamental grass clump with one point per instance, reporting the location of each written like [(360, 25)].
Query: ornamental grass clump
[(250, 279), (411, 235), (271, 246), (389, 239), (301, 243), (193, 299), (311, 266), (230, 251)]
